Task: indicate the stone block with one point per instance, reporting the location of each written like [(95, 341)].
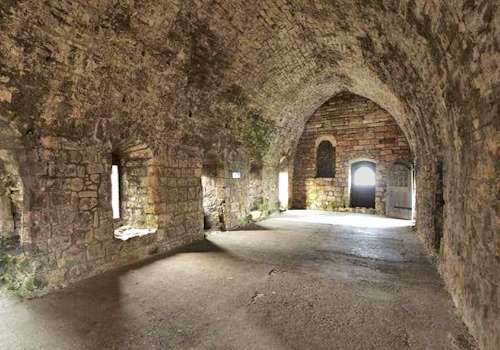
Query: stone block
[(95, 169), (88, 203), (87, 194), (95, 251), (74, 184)]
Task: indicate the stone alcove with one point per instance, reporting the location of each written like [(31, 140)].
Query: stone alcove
[(135, 190)]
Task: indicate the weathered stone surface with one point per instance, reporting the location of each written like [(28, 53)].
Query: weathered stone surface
[(240, 79)]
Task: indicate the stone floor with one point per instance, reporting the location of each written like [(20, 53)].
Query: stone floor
[(301, 280)]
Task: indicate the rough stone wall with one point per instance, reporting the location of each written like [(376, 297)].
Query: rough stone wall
[(360, 130), (78, 239), (229, 202), (225, 75), (250, 193)]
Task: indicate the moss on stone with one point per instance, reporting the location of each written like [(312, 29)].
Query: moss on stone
[(245, 220), (30, 285), (264, 208), (7, 270), (150, 221), (17, 274), (336, 205), (256, 133), (312, 199), (262, 204)]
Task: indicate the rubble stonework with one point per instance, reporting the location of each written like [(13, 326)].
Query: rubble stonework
[(241, 79)]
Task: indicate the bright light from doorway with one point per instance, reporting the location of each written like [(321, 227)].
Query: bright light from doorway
[(283, 189), (364, 176)]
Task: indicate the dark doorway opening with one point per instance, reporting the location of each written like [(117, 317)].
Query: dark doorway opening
[(363, 184), (439, 208), (207, 224)]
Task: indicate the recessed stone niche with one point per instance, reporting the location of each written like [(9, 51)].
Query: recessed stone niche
[(138, 182)]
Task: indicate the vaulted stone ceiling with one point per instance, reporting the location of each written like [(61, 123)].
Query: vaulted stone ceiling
[(194, 68), (219, 75)]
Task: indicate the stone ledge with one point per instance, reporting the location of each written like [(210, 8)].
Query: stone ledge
[(126, 232)]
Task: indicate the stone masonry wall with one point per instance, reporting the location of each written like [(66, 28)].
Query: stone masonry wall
[(361, 130), (228, 202), (194, 76), (76, 240)]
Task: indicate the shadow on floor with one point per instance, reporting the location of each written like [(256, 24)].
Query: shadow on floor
[(100, 311)]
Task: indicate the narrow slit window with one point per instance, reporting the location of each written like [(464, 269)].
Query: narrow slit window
[(115, 190)]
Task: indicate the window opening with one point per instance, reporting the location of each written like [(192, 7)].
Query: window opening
[(115, 190), (325, 160)]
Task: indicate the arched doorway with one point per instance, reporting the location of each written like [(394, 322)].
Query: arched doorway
[(209, 187), (363, 184)]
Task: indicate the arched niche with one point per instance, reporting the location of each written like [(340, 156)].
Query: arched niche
[(325, 156), (329, 138)]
